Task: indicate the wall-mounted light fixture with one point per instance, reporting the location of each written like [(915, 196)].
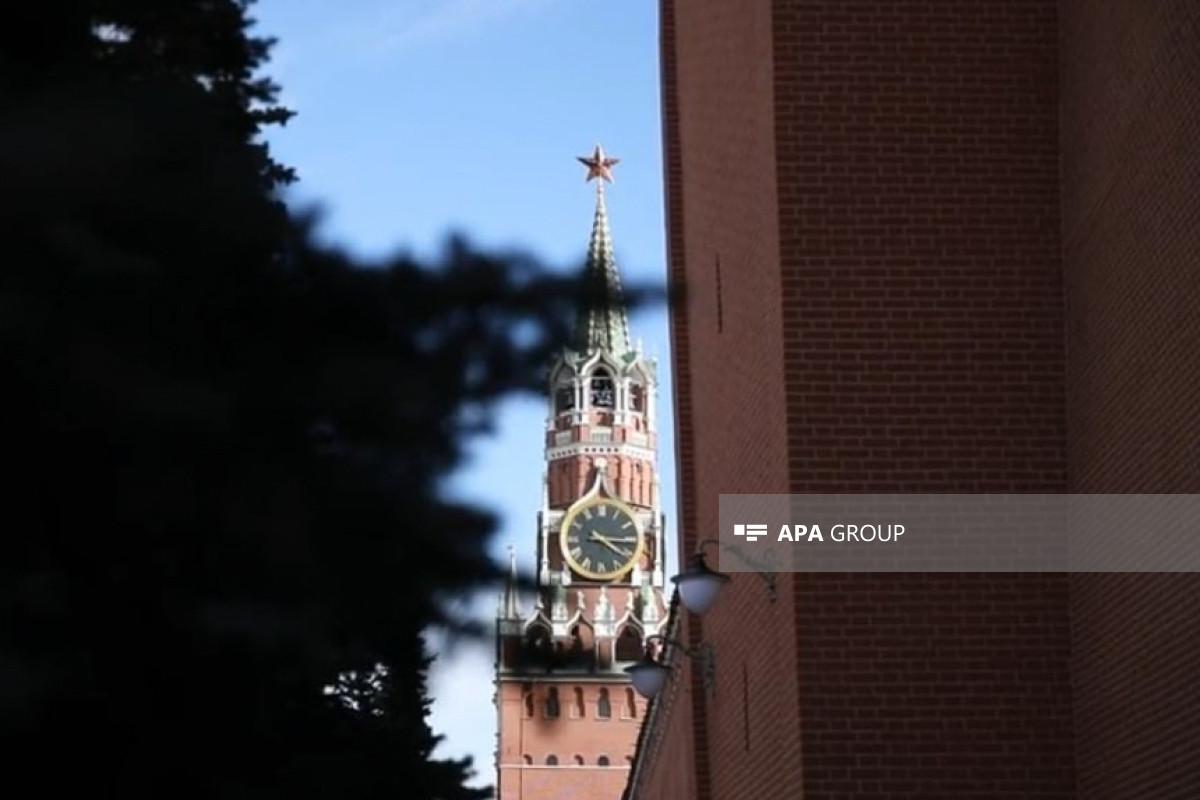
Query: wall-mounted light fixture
[(649, 675), (699, 584)]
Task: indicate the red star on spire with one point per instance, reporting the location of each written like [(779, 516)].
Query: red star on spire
[(598, 165)]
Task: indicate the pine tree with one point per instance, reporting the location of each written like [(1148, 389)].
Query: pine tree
[(383, 714), (227, 444)]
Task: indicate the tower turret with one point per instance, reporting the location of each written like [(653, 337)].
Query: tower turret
[(598, 555), (603, 323)]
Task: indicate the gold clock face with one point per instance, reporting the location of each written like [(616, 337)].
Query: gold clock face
[(601, 539)]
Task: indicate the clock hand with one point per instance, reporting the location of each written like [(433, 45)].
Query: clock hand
[(607, 543), (602, 538)]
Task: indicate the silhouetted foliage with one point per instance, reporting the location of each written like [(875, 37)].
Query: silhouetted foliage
[(379, 720), (226, 443)]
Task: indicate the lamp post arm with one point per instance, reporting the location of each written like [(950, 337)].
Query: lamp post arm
[(762, 567), (703, 658), (691, 652)]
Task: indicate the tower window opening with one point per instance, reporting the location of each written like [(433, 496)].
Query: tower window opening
[(538, 645), (564, 399), (528, 705), (578, 710), (637, 397), (552, 703), (603, 395), (629, 645), (579, 761), (528, 759), (603, 705), (630, 705), (552, 761), (602, 761)]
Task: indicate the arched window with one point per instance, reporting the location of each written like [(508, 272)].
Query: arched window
[(637, 397), (552, 761), (529, 705), (629, 645), (603, 706), (564, 397), (580, 639), (602, 761), (629, 760), (579, 761), (630, 705), (528, 759), (552, 703), (538, 639), (603, 394), (577, 710)]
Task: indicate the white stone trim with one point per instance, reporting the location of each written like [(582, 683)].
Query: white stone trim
[(588, 449)]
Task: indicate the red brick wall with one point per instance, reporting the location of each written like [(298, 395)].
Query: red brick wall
[(880, 181), (567, 736), (921, 274), (668, 765), (686, 738), (727, 339), (981, 224), (1131, 234)]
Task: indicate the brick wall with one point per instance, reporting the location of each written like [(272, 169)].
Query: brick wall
[(879, 181), (525, 742), (665, 764), (921, 275), (1131, 232), (727, 345), (690, 737), (977, 225)]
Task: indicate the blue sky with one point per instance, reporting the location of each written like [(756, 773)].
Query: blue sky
[(421, 117)]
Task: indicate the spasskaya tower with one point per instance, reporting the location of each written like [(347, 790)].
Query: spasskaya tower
[(568, 718)]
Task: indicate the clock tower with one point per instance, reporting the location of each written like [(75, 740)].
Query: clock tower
[(568, 718)]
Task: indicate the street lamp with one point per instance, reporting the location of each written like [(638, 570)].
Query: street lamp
[(699, 584), (649, 676)]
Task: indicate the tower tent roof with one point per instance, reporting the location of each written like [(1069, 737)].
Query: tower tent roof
[(603, 323)]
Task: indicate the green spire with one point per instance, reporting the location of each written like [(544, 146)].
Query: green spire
[(602, 322)]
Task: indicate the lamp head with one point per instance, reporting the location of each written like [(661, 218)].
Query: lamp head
[(699, 585), (648, 677)]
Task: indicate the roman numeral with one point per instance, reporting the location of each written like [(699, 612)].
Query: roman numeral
[(587, 513), (586, 563), (600, 510), (576, 553)]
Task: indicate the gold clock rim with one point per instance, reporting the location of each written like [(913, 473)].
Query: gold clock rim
[(579, 509)]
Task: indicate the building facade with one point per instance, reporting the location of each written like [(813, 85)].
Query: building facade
[(933, 248), (568, 718)]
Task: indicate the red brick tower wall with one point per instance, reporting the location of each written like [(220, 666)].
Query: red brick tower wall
[(727, 348), (981, 224), (879, 182), (918, 163), (576, 735), (1131, 235)]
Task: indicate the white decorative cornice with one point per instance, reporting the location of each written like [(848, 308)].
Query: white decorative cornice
[(601, 449)]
